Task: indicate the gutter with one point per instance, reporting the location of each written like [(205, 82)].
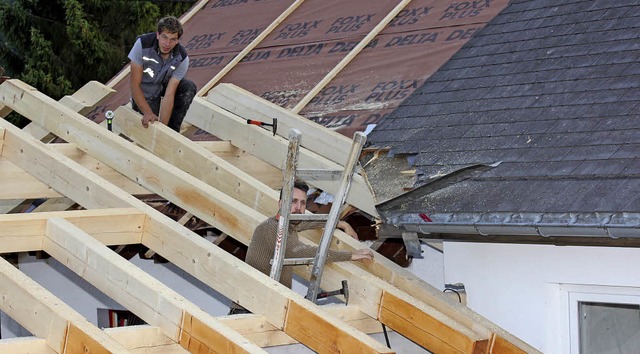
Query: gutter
[(610, 225)]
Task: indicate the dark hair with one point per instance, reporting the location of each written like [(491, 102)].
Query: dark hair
[(171, 25), (298, 184)]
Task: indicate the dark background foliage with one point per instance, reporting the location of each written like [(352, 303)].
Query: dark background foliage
[(57, 46)]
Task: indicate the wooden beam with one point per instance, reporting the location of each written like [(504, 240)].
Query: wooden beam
[(254, 43), (352, 54), (142, 294), (144, 339), (45, 316), (197, 161), (30, 345), (324, 142), (17, 184), (262, 144), (264, 334)]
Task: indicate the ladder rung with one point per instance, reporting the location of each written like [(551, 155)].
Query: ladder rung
[(322, 175), (295, 261), (309, 217)]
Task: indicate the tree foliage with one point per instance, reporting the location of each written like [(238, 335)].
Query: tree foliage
[(57, 46)]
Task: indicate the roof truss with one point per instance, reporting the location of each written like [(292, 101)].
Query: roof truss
[(223, 205)]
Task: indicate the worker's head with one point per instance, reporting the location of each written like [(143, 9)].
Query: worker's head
[(298, 198), (169, 31)]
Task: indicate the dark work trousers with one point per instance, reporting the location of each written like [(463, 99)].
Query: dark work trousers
[(185, 93)]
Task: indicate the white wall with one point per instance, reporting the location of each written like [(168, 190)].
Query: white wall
[(516, 286)]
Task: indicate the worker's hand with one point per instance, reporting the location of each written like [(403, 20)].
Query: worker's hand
[(344, 226), (362, 254), (149, 118)]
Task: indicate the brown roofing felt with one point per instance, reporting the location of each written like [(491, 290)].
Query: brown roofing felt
[(550, 89), (315, 37)]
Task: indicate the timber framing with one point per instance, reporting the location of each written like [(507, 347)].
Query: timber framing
[(172, 166)]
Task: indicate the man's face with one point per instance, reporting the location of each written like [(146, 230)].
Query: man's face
[(166, 41), (298, 201)]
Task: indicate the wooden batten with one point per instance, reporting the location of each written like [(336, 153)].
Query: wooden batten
[(423, 329)]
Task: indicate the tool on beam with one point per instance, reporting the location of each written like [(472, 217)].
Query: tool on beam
[(274, 125), (344, 291), (109, 115)]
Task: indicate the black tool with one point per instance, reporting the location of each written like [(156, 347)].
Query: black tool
[(274, 125), (109, 115), (344, 291)]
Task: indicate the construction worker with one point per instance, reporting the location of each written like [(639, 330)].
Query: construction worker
[(262, 246), (159, 64)]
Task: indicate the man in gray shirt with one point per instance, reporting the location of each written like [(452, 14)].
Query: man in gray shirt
[(159, 63)]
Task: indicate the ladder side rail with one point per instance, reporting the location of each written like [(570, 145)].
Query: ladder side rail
[(323, 249), (287, 192)]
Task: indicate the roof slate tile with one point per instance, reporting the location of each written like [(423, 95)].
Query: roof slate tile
[(552, 89)]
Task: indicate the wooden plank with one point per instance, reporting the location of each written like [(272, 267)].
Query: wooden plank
[(423, 329), (45, 316), (26, 345), (305, 325), (262, 144), (136, 290), (236, 59), (324, 142), (259, 331), (197, 161), (352, 54)]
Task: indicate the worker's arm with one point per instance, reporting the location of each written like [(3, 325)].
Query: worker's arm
[(138, 96), (168, 100)]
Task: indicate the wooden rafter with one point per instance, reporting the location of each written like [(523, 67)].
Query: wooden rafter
[(215, 120), (350, 56), (254, 43)]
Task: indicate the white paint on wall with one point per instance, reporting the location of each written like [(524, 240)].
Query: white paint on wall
[(515, 286)]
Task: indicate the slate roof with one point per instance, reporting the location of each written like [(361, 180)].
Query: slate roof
[(550, 90)]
